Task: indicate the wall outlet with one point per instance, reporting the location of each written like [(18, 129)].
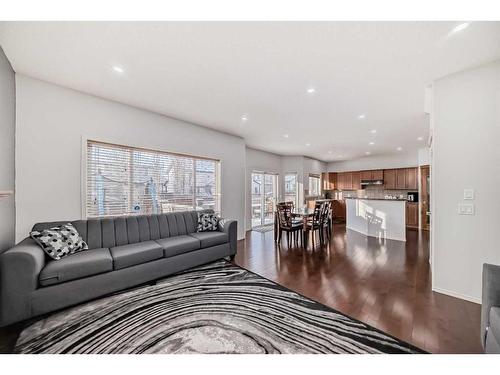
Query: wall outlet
[(465, 209), (468, 194)]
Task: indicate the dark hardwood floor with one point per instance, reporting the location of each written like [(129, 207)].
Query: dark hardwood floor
[(386, 284)]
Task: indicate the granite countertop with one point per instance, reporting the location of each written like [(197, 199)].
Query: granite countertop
[(377, 199)]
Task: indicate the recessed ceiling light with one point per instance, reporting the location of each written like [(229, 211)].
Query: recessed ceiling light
[(311, 90), (371, 143), (341, 156), (118, 69), (286, 135), (460, 27), (367, 153), (373, 131), (330, 152), (420, 138), (399, 148), (308, 144), (244, 118), (361, 117)]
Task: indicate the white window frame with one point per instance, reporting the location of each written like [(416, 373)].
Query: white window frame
[(314, 176), (83, 165)]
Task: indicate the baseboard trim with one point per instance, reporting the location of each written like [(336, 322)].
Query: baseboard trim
[(457, 295)]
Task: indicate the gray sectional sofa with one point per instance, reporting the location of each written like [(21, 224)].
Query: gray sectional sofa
[(490, 309), (123, 252)]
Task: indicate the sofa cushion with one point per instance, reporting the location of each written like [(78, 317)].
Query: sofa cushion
[(495, 322), (207, 222), (173, 246), (76, 266), (130, 255), (208, 239), (59, 241)]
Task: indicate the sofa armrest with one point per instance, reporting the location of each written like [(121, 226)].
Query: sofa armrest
[(231, 228), (491, 295), (19, 270)]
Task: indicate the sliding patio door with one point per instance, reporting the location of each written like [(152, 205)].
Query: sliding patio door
[(264, 197)]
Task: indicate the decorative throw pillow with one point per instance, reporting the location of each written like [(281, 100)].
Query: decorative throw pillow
[(60, 241), (207, 222)]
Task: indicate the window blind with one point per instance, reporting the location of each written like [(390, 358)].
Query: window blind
[(314, 185), (290, 194), (124, 180)]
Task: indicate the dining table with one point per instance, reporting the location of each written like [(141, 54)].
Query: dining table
[(304, 213)]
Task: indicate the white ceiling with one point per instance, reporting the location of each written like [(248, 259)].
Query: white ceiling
[(213, 73)]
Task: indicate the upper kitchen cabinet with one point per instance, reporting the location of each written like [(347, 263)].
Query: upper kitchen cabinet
[(400, 179), (366, 175), (344, 180), (411, 178), (329, 180), (390, 179), (378, 174), (356, 180)]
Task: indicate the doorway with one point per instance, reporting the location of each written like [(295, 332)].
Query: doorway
[(425, 184), (264, 195)]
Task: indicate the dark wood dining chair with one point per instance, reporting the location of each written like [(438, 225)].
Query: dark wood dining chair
[(288, 224), (315, 223), (327, 219)]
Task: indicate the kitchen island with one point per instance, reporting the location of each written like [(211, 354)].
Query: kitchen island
[(374, 217)]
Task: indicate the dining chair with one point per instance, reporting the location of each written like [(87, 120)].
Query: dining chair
[(288, 224), (327, 219), (315, 223)]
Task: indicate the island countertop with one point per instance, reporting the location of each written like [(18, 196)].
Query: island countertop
[(381, 218)]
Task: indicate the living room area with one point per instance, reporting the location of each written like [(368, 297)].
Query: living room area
[(263, 187)]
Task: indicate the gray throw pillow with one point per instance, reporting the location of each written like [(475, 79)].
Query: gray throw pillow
[(208, 222), (60, 241)]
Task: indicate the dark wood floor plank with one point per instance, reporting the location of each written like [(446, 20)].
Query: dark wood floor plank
[(386, 284)]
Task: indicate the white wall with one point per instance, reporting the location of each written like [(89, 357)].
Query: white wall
[(401, 160), (7, 127), (424, 157), (259, 161), (50, 124), (466, 154)]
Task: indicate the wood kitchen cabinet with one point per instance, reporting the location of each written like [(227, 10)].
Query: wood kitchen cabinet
[(401, 179), (324, 181), (389, 179), (339, 210), (412, 215), (378, 174), (366, 175), (329, 180), (348, 181), (411, 179), (344, 180), (356, 180)]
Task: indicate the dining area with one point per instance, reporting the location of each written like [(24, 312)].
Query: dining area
[(303, 225)]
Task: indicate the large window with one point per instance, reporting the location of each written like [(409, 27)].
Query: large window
[(314, 185), (124, 180), (291, 188)]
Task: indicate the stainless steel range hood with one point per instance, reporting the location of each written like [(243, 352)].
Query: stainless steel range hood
[(365, 183)]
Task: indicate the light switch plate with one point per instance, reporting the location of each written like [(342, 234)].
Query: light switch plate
[(468, 194), (466, 209)]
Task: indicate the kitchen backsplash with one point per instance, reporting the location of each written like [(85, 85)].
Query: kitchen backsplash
[(368, 192)]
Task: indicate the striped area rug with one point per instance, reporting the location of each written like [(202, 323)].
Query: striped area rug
[(216, 308)]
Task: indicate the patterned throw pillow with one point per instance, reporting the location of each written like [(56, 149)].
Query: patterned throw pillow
[(60, 241), (207, 222)]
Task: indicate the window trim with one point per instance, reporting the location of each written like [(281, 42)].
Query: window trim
[(83, 166), (314, 175), (296, 200)]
